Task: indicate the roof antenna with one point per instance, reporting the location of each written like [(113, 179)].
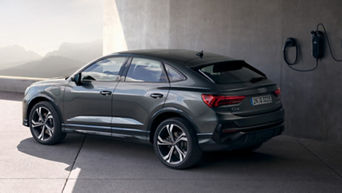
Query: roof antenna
[(200, 54)]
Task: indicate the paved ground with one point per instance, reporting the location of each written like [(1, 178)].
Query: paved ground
[(99, 164)]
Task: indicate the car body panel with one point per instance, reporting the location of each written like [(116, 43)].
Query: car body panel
[(191, 104), (85, 105), (133, 105), (49, 90)]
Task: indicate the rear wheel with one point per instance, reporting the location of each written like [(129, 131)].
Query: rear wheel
[(45, 124), (176, 145)]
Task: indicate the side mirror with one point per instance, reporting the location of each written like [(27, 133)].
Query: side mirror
[(77, 78), (87, 79), (82, 80)]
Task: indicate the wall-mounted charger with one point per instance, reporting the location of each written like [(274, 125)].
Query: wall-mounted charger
[(317, 44), (290, 42)]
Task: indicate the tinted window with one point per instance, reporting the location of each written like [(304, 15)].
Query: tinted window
[(145, 70), (105, 70), (232, 72), (173, 74)]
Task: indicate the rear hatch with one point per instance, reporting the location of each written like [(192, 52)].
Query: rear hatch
[(240, 89)]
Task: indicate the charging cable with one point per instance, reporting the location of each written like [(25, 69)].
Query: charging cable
[(292, 42), (328, 41)]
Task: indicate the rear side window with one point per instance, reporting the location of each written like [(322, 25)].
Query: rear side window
[(231, 72), (173, 74), (146, 70)]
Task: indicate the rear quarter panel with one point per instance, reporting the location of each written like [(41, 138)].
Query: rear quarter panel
[(186, 96)]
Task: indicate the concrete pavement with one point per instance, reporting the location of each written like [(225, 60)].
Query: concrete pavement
[(102, 164)]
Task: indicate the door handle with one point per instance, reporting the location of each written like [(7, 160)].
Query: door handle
[(156, 95), (105, 92)]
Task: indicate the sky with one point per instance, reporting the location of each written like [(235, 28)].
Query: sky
[(43, 25)]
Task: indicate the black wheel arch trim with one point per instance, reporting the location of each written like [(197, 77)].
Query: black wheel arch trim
[(46, 98), (166, 110)]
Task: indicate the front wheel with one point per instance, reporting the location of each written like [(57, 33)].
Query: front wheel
[(45, 124), (176, 145)]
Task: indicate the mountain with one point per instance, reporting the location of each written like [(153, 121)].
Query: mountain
[(15, 55), (48, 67), (84, 52), (60, 63)]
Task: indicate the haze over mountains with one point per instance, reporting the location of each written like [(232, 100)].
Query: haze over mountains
[(14, 55), (16, 61)]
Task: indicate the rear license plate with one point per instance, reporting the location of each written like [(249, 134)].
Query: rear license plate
[(261, 100)]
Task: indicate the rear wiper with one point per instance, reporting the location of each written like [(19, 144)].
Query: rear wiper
[(257, 79)]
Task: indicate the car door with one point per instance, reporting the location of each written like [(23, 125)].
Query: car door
[(141, 93), (88, 106)]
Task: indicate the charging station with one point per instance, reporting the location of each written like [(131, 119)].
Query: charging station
[(319, 38)]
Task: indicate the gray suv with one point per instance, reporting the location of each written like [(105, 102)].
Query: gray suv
[(181, 101)]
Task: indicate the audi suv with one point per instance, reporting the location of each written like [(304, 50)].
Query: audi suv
[(183, 102)]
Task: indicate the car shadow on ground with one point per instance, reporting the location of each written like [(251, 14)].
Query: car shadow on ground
[(108, 146), (225, 157), (64, 152), (112, 159)]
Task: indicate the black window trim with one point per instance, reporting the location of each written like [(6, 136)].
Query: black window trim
[(184, 77), (205, 75)]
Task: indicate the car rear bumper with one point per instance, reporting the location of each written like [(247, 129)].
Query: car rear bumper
[(239, 138)]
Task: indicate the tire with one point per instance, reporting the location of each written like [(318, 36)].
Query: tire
[(179, 151), (45, 124)]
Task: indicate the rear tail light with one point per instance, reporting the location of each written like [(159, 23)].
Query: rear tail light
[(277, 92), (216, 101)]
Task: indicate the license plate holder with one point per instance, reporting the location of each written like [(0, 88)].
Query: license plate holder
[(261, 100)]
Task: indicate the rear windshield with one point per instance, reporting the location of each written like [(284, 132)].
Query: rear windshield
[(231, 72)]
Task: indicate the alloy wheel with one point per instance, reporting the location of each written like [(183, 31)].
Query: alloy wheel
[(42, 123), (172, 143)]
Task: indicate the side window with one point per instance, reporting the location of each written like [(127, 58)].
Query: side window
[(107, 69), (173, 74), (146, 70)]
